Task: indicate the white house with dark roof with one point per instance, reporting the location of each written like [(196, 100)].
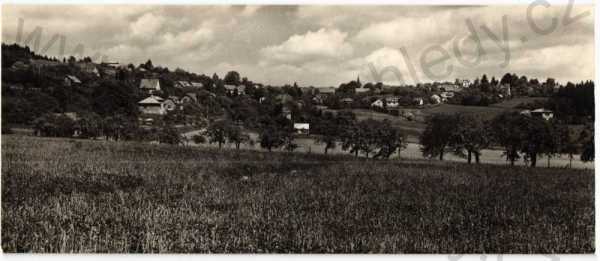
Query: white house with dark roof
[(152, 105)]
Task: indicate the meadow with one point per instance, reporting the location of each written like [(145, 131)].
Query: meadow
[(67, 195)]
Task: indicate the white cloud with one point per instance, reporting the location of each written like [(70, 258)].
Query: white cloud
[(146, 26), (324, 43)]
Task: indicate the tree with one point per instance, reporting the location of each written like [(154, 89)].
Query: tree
[(437, 135), (470, 136), (328, 132), (236, 136), (90, 125), (586, 138), (232, 77), (538, 138), (567, 144), (507, 128), (389, 140), (217, 132), (271, 138)]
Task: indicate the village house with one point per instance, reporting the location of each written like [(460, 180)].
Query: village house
[(418, 101), (347, 101), (435, 99), (449, 87), (88, 68), (197, 85), (152, 105), (377, 103), (505, 90), (361, 90), (446, 95), (71, 80), (182, 84), (232, 89), (189, 97), (150, 85), (322, 93), (302, 128), (543, 113)]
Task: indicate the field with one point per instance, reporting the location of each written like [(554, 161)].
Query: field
[(65, 195)]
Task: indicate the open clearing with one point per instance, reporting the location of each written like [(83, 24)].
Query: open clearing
[(63, 195)]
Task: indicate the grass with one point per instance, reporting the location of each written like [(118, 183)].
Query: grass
[(62, 195)]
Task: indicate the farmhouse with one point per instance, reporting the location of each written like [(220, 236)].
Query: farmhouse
[(302, 128), (150, 85), (152, 105)]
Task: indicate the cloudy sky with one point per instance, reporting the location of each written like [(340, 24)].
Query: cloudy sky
[(325, 45)]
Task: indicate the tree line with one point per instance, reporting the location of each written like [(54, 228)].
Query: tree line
[(518, 135)]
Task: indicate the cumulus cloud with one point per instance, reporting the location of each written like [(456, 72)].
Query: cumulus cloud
[(314, 45), (324, 43)]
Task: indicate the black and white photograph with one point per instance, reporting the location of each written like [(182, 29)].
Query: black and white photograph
[(298, 128)]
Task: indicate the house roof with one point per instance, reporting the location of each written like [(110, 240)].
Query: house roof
[(231, 87), (361, 90), (197, 84), (541, 110), (73, 78), (152, 84), (347, 100), (182, 84), (326, 90), (152, 100), (301, 126)]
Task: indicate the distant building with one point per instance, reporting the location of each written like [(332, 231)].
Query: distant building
[(71, 80), (150, 85), (152, 105), (505, 90), (361, 90), (435, 99), (543, 113), (197, 85), (89, 68), (418, 101), (450, 87), (392, 102), (231, 89), (302, 128), (347, 100), (377, 103), (182, 84), (446, 95)]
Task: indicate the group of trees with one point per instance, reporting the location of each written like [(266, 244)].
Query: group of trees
[(369, 137), (520, 136)]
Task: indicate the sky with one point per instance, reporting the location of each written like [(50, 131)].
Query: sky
[(322, 45)]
